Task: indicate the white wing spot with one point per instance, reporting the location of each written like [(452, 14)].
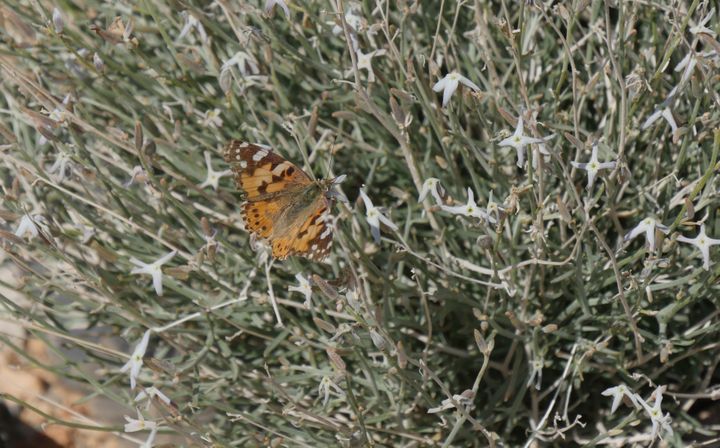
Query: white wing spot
[(280, 168), (258, 156), (314, 247), (243, 163), (244, 145), (326, 233)]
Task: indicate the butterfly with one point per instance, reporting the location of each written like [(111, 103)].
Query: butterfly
[(283, 205)]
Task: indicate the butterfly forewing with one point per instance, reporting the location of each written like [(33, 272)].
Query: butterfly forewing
[(260, 173), (283, 204)]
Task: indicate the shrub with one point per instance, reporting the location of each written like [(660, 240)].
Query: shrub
[(567, 156)]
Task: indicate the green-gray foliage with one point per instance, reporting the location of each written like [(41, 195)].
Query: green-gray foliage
[(549, 296)]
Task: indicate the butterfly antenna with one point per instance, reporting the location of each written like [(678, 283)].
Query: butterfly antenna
[(332, 154)]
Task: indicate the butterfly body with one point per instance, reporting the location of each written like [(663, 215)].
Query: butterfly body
[(283, 205)]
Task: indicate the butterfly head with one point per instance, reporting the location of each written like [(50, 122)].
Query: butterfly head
[(327, 186)]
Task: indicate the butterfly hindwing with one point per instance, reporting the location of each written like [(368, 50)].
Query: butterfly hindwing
[(312, 239), (259, 217)]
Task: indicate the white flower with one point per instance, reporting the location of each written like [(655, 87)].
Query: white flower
[(60, 167), (465, 399), (57, 20), (374, 217), (364, 62), (137, 174), (270, 4), (213, 177), (703, 243), (149, 394), (192, 22), (470, 209), (666, 113), (431, 185), (150, 440), (27, 225), (139, 424), (493, 208), (450, 83), (60, 113), (536, 370), (245, 62), (303, 288), (618, 392), (324, 389), (701, 28), (355, 22), (542, 149), (519, 141), (154, 269), (659, 421), (211, 119), (593, 166), (353, 300), (87, 232), (648, 227), (98, 62), (136, 360), (688, 63)]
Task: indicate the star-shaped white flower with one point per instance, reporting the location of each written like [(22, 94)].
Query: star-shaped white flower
[(659, 421), (245, 62), (536, 371), (450, 83), (57, 20), (324, 389), (138, 174), (464, 399), (149, 394), (27, 225), (139, 424), (150, 440), (136, 359), (648, 227), (493, 208), (593, 166), (665, 113), (213, 177), (703, 243), (211, 119), (618, 392), (364, 62), (154, 269), (688, 63), (518, 141), (701, 28), (61, 167), (61, 114), (470, 209), (355, 22), (431, 186), (192, 22), (270, 4), (98, 62), (374, 217), (303, 288)]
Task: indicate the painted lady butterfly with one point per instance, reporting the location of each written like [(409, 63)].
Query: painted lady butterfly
[(282, 204)]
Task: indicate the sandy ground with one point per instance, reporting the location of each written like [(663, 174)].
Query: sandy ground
[(48, 393), (22, 427)]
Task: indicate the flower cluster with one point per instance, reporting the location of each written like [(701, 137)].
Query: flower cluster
[(660, 423)]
